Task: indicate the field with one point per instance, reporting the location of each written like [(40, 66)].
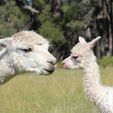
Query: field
[(62, 92)]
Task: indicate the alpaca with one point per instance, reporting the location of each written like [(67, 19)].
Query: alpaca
[(82, 57), (25, 51)]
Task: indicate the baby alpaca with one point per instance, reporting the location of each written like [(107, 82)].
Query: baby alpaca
[(83, 57), (25, 51)]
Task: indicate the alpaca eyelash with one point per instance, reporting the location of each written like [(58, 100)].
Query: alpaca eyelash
[(27, 50)]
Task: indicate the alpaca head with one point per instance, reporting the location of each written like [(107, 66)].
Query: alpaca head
[(80, 54), (28, 51)]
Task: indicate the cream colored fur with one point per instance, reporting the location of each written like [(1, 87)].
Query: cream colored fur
[(25, 51), (82, 57)]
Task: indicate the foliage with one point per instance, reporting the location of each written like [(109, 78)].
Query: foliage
[(50, 31), (12, 19), (61, 21)]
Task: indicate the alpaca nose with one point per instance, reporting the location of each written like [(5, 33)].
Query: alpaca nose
[(51, 65), (64, 62), (65, 65)]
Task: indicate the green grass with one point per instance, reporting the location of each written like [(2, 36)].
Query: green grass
[(62, 92)]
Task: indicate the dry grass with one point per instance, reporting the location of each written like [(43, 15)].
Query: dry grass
[(61, 92)]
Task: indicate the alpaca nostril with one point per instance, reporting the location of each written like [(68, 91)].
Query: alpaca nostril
[(63, 63), (52, 62)]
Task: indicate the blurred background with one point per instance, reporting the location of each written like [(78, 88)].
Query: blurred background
[(61, 22)]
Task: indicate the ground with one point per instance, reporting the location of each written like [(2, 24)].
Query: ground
[(62, 92)]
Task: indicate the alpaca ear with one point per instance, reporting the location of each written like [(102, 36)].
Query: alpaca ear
[(4, 45), (82, 40), (93, 42)]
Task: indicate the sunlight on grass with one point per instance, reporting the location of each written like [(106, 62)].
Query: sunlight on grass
[(62, 92)]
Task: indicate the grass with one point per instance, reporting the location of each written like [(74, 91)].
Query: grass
[(62, 92)]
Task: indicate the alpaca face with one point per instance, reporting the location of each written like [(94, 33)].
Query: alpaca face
[(27, 55), (36, 58), (77, 57), (80, 54)]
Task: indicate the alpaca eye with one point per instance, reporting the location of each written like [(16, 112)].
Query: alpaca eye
[(75, 57), (2, 45), (27, 50)]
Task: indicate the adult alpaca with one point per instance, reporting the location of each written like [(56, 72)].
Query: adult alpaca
[(25, 51), (83, 57)]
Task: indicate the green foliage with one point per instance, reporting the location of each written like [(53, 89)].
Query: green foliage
[(48, 28), (106, 61), (61, 24), (76, 25), (46, 14), (12, 19), (71, 11), (50, 31), (40, 2), (77, 16)]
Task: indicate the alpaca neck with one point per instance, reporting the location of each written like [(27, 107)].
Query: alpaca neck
[(91, 77), (7, 70)]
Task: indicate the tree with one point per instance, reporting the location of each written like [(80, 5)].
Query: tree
[(12, 19), (102, 24), (61, 21)]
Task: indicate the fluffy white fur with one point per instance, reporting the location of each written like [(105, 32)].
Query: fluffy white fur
[(82, 57), (25, 51)]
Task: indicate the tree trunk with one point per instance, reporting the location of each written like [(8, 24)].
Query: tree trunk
[(102, 24)]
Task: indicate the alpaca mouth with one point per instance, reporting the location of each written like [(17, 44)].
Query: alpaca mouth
[(50, 70)]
